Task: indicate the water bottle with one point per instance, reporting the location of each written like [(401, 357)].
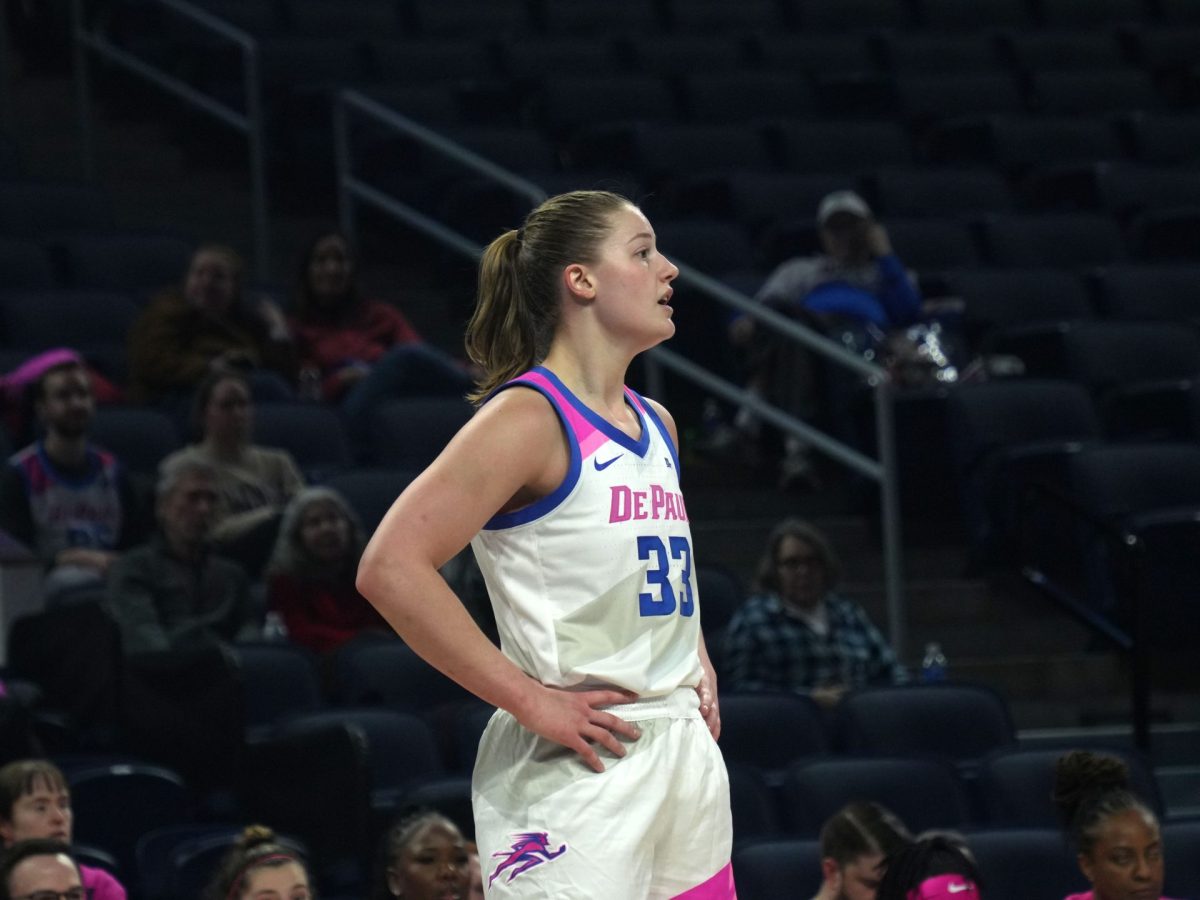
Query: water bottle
[(274, 631), (933, 664)]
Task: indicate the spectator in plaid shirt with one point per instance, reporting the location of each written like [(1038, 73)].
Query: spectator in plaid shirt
[(796, 633)]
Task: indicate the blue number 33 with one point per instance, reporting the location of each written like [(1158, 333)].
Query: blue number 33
[(658, 576)]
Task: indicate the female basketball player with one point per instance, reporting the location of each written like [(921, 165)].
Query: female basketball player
[(599, 775)]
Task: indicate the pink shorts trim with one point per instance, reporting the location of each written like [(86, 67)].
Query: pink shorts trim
[(719, 887)]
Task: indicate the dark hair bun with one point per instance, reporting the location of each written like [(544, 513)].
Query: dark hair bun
[(255, 836), (1081, 773)]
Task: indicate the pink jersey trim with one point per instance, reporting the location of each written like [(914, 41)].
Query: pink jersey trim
[(587, 435), (719, 887)]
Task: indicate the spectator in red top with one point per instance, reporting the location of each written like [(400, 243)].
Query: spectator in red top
[(364, 351), (310, 579)]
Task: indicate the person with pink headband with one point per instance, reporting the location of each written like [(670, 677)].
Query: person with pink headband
[(938, 865), (261, 866)]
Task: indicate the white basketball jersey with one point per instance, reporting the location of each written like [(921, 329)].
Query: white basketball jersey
[(594, 584)]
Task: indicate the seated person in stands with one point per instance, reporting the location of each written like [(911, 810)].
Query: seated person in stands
[(174, 592), (796, 633), (259, 867), (423, 857), (363, 350), (64, 497), (936, 866), (253, 483), (207, 326), (310, 578), (857, 284), (854, 842), (1114, 832), (39, 868), (35, 802)]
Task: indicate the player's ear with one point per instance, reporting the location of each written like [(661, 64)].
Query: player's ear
[(579, 281)]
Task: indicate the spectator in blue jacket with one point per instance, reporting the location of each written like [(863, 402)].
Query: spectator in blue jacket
[(857, 289)]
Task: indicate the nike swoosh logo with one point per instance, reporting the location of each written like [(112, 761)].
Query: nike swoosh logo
[(958, 888), (601, 466)]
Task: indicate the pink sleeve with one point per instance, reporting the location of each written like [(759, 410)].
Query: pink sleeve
[(103, 885)]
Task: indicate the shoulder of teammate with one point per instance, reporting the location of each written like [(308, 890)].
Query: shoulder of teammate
[(667, 420)]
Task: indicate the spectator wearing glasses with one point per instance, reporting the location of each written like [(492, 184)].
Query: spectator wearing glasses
[(35, 807), (41, 869), (796, 633)]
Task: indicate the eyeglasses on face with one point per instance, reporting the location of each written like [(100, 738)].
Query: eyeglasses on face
[(79, 893)]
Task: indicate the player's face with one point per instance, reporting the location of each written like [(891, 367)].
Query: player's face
[(860, 879), (433, 866), (1126, 862), (633, 281)]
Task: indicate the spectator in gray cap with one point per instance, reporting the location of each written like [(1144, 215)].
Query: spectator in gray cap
[(857, 287)]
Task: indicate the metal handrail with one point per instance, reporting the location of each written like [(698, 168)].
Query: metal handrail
[(884, 470), (249, 123)]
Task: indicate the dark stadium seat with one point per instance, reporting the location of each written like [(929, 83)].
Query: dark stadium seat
[(490, 18), (1166, 235), (1164, 293), (952, 15), (770, 731), (1164, 138), (568, 101), (408, 434), (959, 723), (26, 264), (141, 261), (995, 299), (929, 52), (45, 208), (1040, 51), (751, 803), (1015, 143), (1060, 240), (856, 15), (370, 492), (1102, 355), (841, 146), (115, 805), (930, 244), (769, 869), (313, 434), (709, 17), (1012, 860), (721, 594), (141, 438), (731, 97), (278, 681), (331, 18), (1005, 436), (1093, 92), (711, 245), (388, 673), (925, 793), (1090, 13), (925, 98), (413, 61), (1181, 848), (814, 54), (600, 17), (448, 794)]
